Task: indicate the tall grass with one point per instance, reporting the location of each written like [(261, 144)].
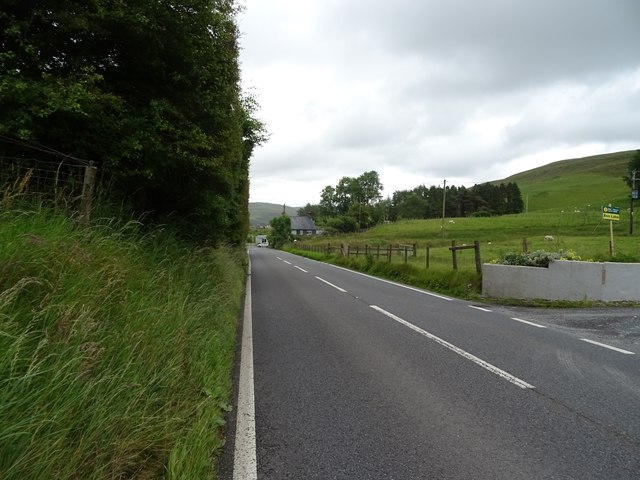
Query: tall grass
[(116, 350)]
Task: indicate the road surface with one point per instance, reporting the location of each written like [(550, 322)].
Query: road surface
[(358, 378)]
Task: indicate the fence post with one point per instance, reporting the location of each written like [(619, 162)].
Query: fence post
[(405, 253), (389, 255), (427, 254), (454, 255), (88, 187), (415, 250), (378, 256), (525, 245), (476, 249)]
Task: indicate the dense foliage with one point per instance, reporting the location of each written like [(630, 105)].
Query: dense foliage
[(537, 258), (484, 199), (149, 90), (355, 197), (280, 231), (633, 166)]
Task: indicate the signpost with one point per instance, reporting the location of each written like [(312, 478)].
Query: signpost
[(613, 215)]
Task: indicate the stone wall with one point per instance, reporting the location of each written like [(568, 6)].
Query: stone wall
[(564, 280)]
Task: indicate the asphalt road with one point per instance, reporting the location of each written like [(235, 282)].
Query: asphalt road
[(357, 378)]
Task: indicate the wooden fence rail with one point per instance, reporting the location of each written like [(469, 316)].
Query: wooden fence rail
[(387, 252)]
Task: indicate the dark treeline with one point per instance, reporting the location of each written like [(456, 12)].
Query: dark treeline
[(484, 199), (149, 91), (357, 203)]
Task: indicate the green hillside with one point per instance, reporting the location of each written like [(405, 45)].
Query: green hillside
[(261, 213), (574, 184), (579, 183)]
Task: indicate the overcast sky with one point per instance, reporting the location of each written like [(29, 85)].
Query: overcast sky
[(425, 90)]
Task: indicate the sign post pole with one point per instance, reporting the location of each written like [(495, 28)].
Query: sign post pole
[(612, 251), (612, 214)]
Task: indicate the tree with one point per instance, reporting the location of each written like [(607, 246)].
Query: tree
[(341, 224), (280, 231), (328, 201), (345, 194), (412, 206), (149, 90), (353, 196), (633, 167), (369, 187), (634, 164)]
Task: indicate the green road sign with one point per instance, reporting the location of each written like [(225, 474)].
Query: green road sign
[(611, 213)]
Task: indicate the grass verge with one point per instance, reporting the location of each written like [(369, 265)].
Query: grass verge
[(116, 350), (461, 284)]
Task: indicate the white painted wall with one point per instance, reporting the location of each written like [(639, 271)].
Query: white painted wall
[(564, 280)]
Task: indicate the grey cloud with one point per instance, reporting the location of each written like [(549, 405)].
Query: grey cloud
[(438, 89), (513, 42)]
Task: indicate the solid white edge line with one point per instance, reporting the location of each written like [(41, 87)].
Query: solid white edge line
[(620, 350), (245, 465), (414, 289), (486, 365), (301, 269), (332, 285), (527, 322)]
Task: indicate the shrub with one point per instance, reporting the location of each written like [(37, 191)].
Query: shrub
[(538, 258)]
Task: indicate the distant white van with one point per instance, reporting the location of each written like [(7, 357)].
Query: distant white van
[(262, 241)]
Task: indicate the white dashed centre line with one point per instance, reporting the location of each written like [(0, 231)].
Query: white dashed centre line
[(486, 365), (301, 269), (480, 308), (332, 285), (626, 352), (527, 322)]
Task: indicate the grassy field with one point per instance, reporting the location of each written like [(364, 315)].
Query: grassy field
[(565, 202), (261, 213), (576, 184), (116, 350), (585, 236), (584, 232)]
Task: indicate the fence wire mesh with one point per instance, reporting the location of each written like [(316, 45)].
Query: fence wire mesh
[(32, 178)]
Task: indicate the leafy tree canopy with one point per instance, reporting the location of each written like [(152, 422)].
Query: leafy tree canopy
[(149, 90), (634, 164), (280, 230)]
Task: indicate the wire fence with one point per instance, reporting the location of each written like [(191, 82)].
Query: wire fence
[(65, 182)]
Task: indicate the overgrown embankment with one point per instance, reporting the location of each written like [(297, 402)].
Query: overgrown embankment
[(116, 350)]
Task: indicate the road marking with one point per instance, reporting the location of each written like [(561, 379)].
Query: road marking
[(480, 308), (288, 263), (626, 352), (301, 269), (486, 365), (425, 292), (332, 285), (245, 465), (527, 322), (279, 258)]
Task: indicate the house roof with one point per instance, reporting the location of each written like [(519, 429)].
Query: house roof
[(302, 223)]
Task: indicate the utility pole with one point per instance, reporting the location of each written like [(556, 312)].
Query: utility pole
[(444, 196), (634, 195)]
